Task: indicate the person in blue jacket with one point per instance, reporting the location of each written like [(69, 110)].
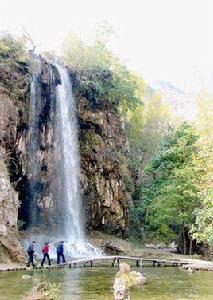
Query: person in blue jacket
[(30, 252), (60, 252)]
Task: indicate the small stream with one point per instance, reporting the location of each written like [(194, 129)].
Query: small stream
[(96, 284)]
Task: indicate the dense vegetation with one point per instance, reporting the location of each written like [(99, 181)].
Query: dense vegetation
[(102, 76), (11, 47), (173, 195)]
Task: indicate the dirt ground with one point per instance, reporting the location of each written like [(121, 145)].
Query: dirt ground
[(110, 244), (114, 246)]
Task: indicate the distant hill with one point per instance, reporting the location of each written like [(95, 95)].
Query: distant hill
[(183, 103)]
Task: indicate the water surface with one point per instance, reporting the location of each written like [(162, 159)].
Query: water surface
[(96, 284)]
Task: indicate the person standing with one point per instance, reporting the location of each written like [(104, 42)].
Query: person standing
[(45, 251), (30, 252), (60, 252)]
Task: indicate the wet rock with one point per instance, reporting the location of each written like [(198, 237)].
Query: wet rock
[(124, 280), (112, 249), (140, 279), (121, 289)]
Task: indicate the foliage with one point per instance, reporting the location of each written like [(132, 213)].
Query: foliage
[(13, 58), (157, 117), (145, 127), (136, 214), (172, 195), (202, 230), (43, 290), (102, 76), (12, 48), (172, 169)]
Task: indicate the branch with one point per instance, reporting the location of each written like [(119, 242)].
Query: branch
[(28, 36)]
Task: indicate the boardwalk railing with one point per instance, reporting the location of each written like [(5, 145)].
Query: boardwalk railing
[(114, 260)]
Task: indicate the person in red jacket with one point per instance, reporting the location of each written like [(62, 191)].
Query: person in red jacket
[(45, 251)]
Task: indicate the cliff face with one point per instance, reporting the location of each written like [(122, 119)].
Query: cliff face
[(102, 146), (44, 186), (10, 246)]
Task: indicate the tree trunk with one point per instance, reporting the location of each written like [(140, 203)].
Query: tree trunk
[(190, 245), (184, 239)]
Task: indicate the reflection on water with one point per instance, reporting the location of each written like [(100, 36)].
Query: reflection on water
[(96, 284)]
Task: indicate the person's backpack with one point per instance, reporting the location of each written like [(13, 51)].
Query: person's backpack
[(43, 250)]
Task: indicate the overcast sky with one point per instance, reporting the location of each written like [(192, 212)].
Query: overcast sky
[(169, 40)]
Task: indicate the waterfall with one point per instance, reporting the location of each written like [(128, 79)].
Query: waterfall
[(33, 141), (69, 225), (69, 165), (69, 158)]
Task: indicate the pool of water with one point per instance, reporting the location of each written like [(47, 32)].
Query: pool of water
[(96, 284)]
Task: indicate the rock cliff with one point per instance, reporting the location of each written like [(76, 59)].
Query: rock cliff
[(10, 246), (102, 144)]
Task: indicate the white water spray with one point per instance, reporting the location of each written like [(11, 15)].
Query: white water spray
[(70, 169), (67, 131)]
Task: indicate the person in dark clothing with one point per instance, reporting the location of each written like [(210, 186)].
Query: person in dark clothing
[(30, 252), (45, 251), (60, 252)]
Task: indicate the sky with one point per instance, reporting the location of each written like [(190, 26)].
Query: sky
[(167, 40)]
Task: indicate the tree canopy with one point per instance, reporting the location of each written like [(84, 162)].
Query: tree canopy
[(102, 75)]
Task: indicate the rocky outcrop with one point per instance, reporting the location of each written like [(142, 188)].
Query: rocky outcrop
[(13, 124), (9, 239), (8, 125), (124, 280), (102, 145), (42, 188)]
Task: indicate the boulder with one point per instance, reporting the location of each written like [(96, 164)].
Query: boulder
[(124, 280)]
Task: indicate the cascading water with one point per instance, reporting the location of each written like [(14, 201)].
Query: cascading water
[(69, 168), (66, 193), (33, 142), (69, 163)]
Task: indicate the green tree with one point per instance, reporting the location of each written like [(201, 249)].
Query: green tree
[(146, 125), (103, 78), (202, 230), (11, 48), (172, 196)]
